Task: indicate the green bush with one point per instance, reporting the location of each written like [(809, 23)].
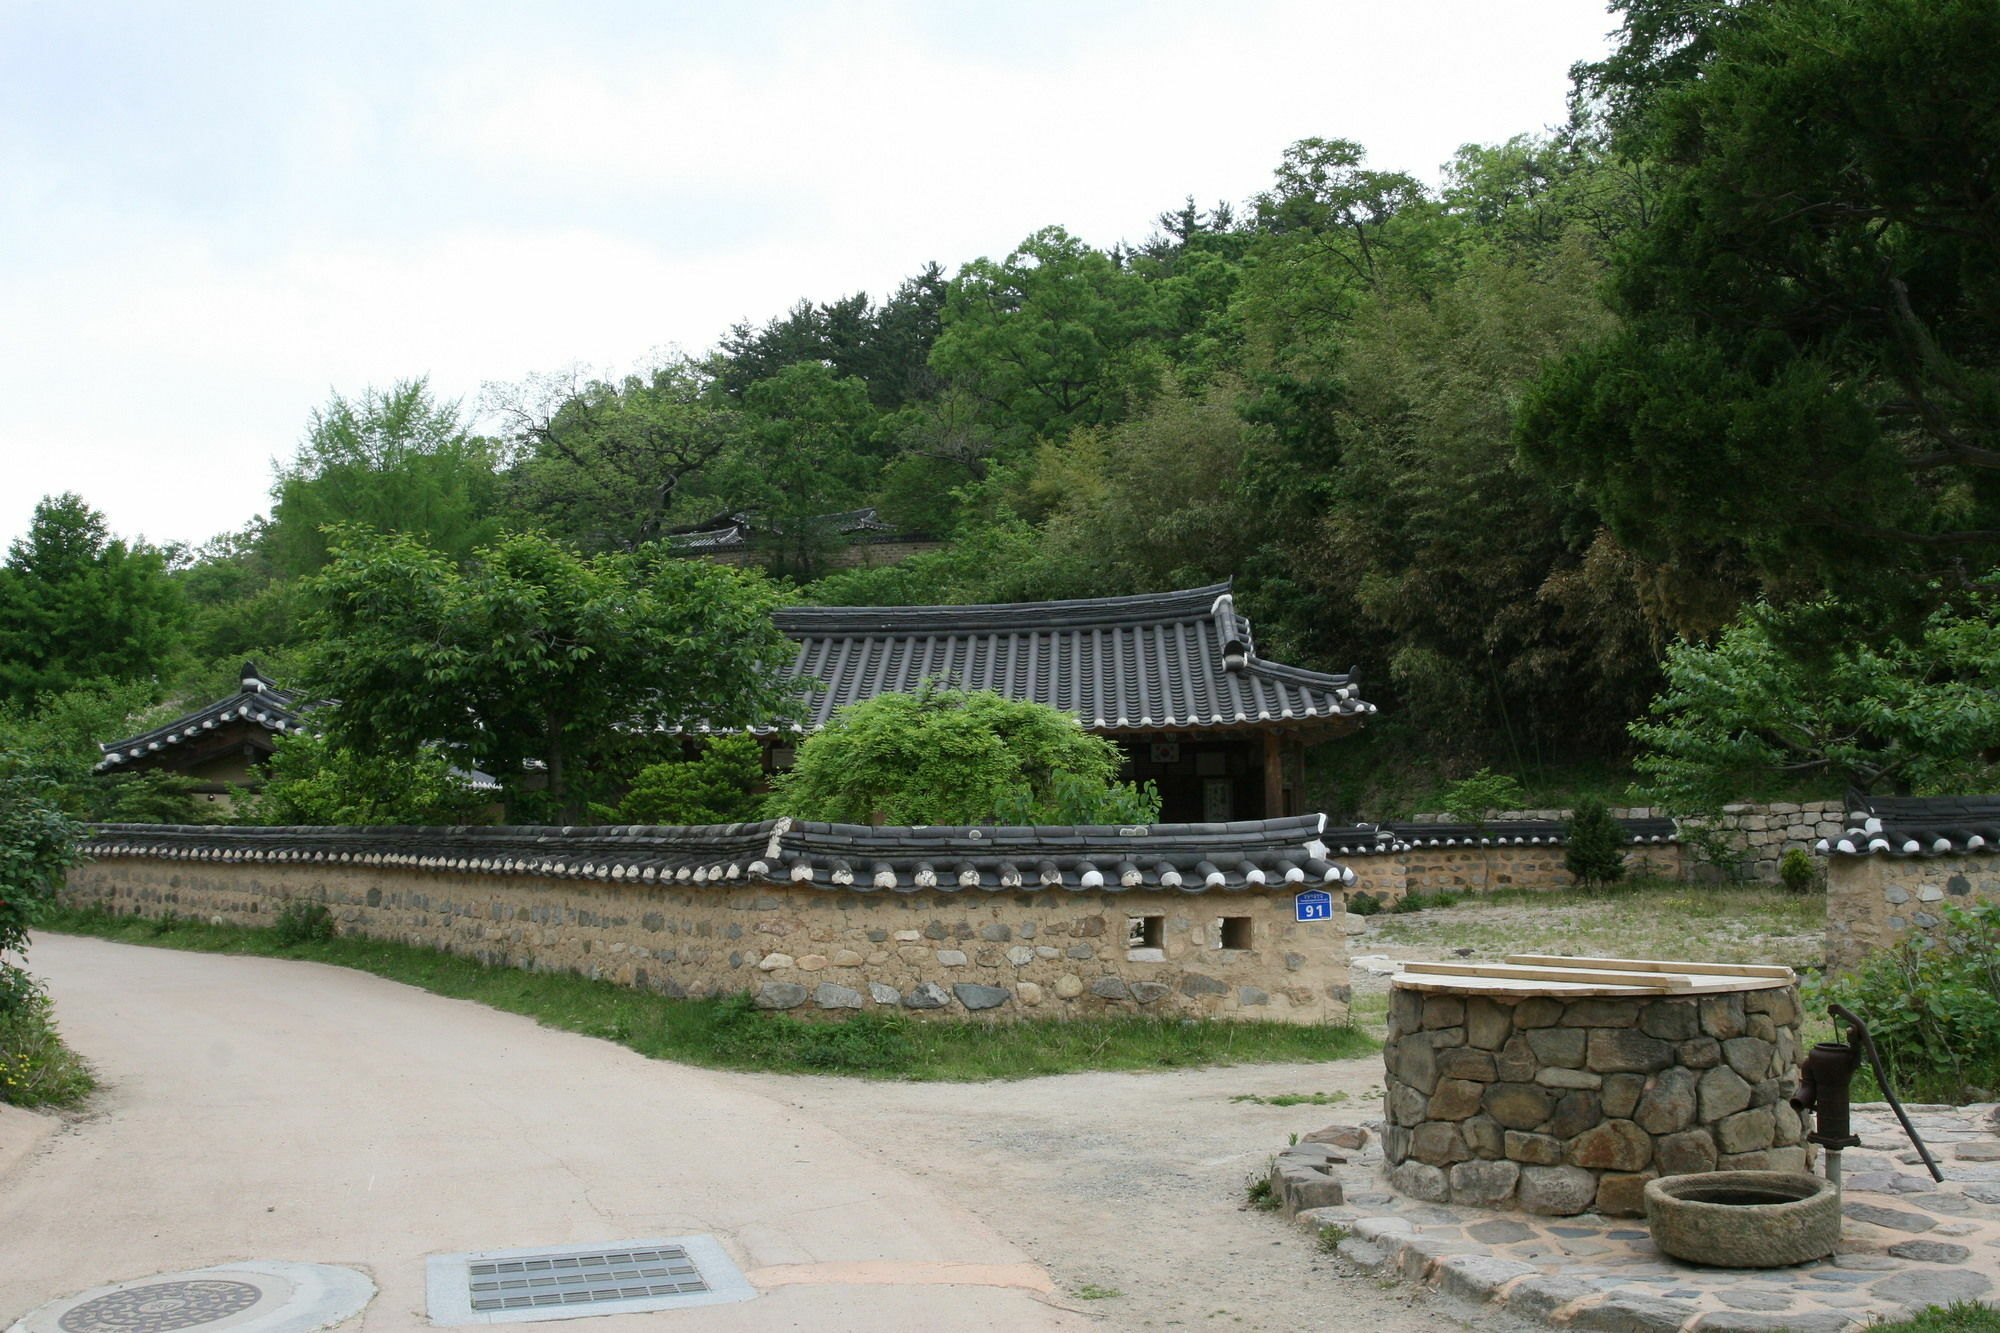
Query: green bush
[(1594, 846), (1363, 904), (1933, 1006), (301, 922), (1797, 871), (1472, 799), (720, 786)]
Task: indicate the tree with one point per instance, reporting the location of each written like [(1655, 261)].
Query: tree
[(549, 670), (1808, 372), (605, 462), (1745, 715), (1594, 845), (944, 756), (77, 604), (310, 780), (394, 461), (1047, 339), (38, 842)]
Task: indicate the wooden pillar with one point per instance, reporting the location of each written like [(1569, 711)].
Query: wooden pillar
[(1274, 775)]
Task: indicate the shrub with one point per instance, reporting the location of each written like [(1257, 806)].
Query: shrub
[(1797, 871), (38, 842), (1363, 904), (717, 787), (1594, 850), (1933, 1007), (36, 1069), (1472, 799), (301, 922)]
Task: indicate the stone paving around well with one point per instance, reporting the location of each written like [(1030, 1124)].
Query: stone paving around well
[(1908, 1241)]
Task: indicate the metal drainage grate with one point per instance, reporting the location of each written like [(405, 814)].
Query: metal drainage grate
[(509, 1286), (579, 1279)]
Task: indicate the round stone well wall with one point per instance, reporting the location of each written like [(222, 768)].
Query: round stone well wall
[(1570, 1105)]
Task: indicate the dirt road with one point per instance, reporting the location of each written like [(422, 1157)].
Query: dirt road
[(258, 1108)]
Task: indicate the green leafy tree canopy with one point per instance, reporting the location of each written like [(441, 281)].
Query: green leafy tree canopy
[(946, 756), (545, 668)]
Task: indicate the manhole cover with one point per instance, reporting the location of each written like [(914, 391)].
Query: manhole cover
[(574, 1282), (159, 1307), (255, 1296)]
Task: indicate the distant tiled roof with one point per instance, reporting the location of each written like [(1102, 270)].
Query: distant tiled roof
[(1275, 855), (258, 704), (1157, 661), (729, 532), (1917, 826)]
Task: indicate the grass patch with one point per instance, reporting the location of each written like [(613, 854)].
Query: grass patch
[(1960, 1317), (36, 1068), (1090, 1291), (1260, 1195), (728, 1033), (1293, 1098), (1731, 923)]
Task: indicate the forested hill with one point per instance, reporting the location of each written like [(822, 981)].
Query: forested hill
[(1726, 342)]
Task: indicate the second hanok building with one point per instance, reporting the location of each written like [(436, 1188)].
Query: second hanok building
[(1173, 678)]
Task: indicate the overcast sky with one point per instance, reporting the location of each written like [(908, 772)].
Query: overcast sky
[(212, 215)]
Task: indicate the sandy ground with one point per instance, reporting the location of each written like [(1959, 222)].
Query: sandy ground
[(265, 1109)]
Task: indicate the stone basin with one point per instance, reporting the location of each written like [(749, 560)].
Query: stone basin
[(1744, 1219)]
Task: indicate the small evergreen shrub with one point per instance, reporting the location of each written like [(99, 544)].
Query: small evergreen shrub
[(1797, 871), (1363, 904), (1594, 850)]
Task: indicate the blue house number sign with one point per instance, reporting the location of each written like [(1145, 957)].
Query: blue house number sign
[(1314, 905)]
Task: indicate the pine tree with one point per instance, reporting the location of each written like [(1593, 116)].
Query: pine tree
[(1594, 853)]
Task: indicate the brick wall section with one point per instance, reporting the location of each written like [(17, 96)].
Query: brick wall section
[(813, 951), (1874, 901)]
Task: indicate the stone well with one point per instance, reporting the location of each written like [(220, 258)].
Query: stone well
[(1566, 1096)]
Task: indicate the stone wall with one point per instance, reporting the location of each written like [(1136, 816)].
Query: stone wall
[(1874, 901), (1387, 877), (1563, 1107), (1759, 833), (812, 950)]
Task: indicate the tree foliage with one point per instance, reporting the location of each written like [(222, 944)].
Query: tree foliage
[(721, 785), (549, 670), (38, 842), (77, 604), (1744, 715), (310, 780), (945, 756), (1808, 369), (395, 461)]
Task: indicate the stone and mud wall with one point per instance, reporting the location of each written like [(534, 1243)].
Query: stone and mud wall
[(1570, 1106), (1013, 954), (1872, 902), (1388, 876)]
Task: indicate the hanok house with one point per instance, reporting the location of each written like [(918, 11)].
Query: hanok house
[(220, 745), (1173, 678)]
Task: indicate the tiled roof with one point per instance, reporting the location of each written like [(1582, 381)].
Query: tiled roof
[(1158, 661), (1261, 855), (1916, 826), (259, 703)]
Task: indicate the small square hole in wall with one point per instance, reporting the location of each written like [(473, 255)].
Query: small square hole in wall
[(1145, 932), (1233, 932)]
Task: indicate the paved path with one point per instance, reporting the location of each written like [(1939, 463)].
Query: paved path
[(263, 1109)]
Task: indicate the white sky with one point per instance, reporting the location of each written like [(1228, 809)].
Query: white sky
[(214, 213)]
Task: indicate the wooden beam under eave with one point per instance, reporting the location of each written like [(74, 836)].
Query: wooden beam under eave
[(1274, 775)]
